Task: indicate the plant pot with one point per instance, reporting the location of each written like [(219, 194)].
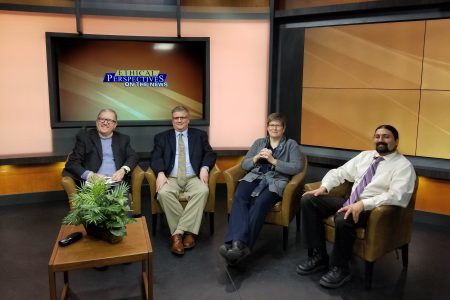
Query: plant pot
[(102, 234)]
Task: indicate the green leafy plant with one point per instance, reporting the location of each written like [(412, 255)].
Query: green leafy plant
[(99, 204)]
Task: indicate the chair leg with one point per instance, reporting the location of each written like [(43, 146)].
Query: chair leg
[(297, 220), (285, 237), (405, 256), (369, 272), (211, 223), (154, 222)]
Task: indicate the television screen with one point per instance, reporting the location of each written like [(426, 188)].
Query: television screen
[(141, 78)]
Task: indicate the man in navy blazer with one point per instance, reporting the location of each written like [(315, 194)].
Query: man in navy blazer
[(182, 158), (101, 152)]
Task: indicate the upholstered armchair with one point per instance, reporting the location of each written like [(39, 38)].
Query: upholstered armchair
[(283, 211), (137, 177), (388, 228), (210, 204)]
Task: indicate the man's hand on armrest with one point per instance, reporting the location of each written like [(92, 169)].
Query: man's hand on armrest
[(161, 180)]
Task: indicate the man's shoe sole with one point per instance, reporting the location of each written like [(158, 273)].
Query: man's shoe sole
[(314, 270), (337, 284)]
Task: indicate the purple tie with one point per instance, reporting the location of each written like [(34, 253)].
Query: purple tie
[(367, 178)]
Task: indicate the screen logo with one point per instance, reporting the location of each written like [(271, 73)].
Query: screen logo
[(137, 78)]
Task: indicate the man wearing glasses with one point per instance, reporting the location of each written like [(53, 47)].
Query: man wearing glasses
[(181, 159), (101, 152)]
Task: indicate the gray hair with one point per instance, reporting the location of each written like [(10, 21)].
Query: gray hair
[(107, 110), (180, 108)]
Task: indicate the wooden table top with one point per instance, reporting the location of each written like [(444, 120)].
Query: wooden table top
[(91, 252)]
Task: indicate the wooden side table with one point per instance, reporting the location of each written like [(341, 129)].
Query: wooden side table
[(90, 252)]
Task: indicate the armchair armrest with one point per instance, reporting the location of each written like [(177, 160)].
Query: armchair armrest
[(311, 186), (213, 175), (137, 177), (151, 179), (69, 186), (342, 190), (232, 176), (385, 231), (292, 193)]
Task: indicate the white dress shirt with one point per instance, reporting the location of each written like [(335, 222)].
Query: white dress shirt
[(392, 184)]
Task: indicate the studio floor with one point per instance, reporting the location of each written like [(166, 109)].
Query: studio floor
[(28, 232)]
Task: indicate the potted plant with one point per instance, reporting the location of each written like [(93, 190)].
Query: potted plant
[(102, 209)]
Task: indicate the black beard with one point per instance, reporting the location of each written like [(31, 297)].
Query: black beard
[(382, 148)]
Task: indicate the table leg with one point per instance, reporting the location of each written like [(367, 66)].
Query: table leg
[(52, 284), (150, 277), (66, 285), (147, 278)]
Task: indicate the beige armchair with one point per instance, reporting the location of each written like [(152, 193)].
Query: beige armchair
[(388, 228), (210, 204), (283, 211), (137, 177)]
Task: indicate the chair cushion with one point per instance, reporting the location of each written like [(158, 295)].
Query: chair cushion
[(360, 231)]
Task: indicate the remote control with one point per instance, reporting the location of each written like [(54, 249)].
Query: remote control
[(71, 238)]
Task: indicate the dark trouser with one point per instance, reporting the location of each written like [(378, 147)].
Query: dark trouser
[(313, 211), (248, 213)]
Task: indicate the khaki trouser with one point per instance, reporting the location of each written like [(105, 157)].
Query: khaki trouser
[(189, 218)]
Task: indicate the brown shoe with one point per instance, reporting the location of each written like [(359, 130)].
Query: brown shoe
[(177, 244), (188, 240)]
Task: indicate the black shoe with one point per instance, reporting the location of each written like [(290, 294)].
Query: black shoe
[(336, 277), (238, 251), (224, 249), (313, 264)]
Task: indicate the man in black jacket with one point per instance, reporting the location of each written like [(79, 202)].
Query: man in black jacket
[(101, 152)]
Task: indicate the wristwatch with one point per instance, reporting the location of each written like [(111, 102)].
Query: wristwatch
[(126, 169)]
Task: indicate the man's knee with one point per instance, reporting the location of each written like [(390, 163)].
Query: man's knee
[(306, 200), (166, 195), (340, 222), (204, 190), (162, 194)]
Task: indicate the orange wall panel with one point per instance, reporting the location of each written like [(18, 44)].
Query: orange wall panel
[(433, 138), (30, 178), (433, 195), (347, 118), (225, 163), (436, 63), (364, 56)]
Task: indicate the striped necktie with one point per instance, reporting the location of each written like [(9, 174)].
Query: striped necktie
[(181, 176), (367, 178)]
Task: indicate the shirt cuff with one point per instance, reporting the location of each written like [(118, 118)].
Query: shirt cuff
[(206, 167), (126, 169), (85, 175)]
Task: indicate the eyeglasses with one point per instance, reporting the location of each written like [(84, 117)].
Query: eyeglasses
[(107, 121), (179, 118), (275, 126)]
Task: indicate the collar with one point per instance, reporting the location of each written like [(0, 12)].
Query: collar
[(184, 132), (386, 157), (105, 137)]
